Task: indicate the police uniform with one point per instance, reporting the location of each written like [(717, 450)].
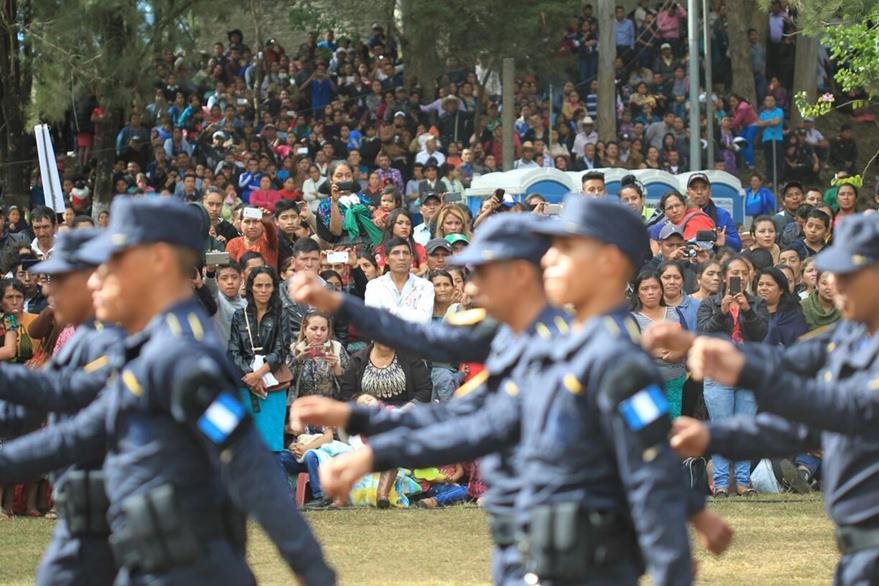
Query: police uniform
[(596, 495), (181, 455), (79, 552), (822, 394), (498, 346)]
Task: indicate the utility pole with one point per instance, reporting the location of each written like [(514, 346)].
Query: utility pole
[(607, 99), (709, 86), (507, 116), (693, 39)]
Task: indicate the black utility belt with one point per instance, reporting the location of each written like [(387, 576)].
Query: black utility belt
[(82, 503), (503, 530), (564, 541), (162, 532), (851, 539)]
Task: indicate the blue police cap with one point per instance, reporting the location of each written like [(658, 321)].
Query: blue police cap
[(855, 245), (146, 220), (505, 236), (65, 254), (605, 219)]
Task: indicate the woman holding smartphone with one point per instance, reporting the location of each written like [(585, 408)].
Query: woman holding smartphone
[(736, 314)]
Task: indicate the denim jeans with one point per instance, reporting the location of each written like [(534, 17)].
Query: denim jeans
[(722, 403), (447, 494), (309, 464), (749, 133)]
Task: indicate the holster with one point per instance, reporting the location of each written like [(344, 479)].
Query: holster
[(564, 541), (503, 529), (82, 503), (162, 532)]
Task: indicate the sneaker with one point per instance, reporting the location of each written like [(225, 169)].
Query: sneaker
[(793, 479), (318, 504)]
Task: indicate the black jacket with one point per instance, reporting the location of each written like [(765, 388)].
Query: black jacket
[(754, 323), (272, 334), (418, 385)]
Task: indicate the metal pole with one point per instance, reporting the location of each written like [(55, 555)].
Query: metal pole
[(693, 39), (507, 116), (709, 85), (551, 126)]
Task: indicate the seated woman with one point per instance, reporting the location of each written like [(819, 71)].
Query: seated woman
[(318, 361), (392, 377), (443, 488)]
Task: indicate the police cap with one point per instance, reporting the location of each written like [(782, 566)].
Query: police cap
[(504, 237), (855, 245), (65, 254)]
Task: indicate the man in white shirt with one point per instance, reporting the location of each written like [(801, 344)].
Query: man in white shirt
[(527, 160), (429, 151), (398, 290), (44, 225), (585, 135)]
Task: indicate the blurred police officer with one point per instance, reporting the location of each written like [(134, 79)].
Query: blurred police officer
[(179, 445), (596, 489), (506, 285), (79, 552), (819, 394)]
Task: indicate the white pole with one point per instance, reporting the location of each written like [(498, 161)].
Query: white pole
[(693, 38)]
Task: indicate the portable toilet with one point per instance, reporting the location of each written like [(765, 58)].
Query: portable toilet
[(656, 184), (552, 184)]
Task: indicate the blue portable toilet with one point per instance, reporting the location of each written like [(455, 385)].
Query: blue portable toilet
[(552, 184)]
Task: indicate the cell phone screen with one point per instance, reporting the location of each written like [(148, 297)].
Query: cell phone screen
[(735, 285)]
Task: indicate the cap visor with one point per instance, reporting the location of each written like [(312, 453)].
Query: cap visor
[(52, 266), (836, 261), (98, 250)]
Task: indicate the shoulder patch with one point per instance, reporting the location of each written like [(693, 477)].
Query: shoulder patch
[(511, 388), (174, 324), (572, 384), (469, 317), (131, 383), (472, 384), (874, 385), (195, 326), (96, 364)]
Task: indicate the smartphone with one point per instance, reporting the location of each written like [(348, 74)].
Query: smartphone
[(242, 101), (706, 236), (552, 209), (348, 186), (302, 151), (453, 197), (252, 213), (216, 258), (735, 285), (336, 257), (499, 195)]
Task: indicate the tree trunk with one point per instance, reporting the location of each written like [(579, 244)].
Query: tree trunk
[(739, 21), (419, 44), (805, 72), (16, 145), (607, 120)]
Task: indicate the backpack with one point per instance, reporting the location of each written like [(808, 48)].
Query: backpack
[(696, 471)]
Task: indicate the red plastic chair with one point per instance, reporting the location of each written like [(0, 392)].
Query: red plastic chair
[(301, 488)]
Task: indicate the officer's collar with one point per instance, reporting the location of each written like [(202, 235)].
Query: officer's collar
[(618, 322), (161, 320), (551, 321)]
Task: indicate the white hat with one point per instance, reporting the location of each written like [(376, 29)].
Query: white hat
[(587, 120)]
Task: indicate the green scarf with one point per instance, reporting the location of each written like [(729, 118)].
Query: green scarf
[(357, 217), (816, 316)]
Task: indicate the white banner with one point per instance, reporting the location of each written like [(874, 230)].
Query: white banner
[(49, 169)]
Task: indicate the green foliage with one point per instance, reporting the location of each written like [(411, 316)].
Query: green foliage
[(106, 46), (850, 29)]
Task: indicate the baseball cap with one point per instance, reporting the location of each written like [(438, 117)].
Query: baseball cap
[(698, 177), (437, 243), (670, 230), (135, 221)]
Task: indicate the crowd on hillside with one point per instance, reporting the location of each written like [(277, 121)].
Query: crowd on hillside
[(326, 159)]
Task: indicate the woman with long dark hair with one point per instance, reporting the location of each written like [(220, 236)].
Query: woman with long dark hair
[(399, 225), (786, 320), (259, 345)]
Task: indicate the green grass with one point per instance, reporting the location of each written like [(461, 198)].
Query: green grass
[(780, 539)]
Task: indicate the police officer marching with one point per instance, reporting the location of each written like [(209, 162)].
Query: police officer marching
[(612, 491), (79, 552), (818, 394), (182, 457), (506, 285)]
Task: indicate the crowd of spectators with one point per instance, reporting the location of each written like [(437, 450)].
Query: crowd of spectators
[(323, 160)]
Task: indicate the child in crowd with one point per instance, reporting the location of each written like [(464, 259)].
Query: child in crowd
[(388, 202), (441, 486)]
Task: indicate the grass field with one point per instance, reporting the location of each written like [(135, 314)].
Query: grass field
[(779, 540)]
